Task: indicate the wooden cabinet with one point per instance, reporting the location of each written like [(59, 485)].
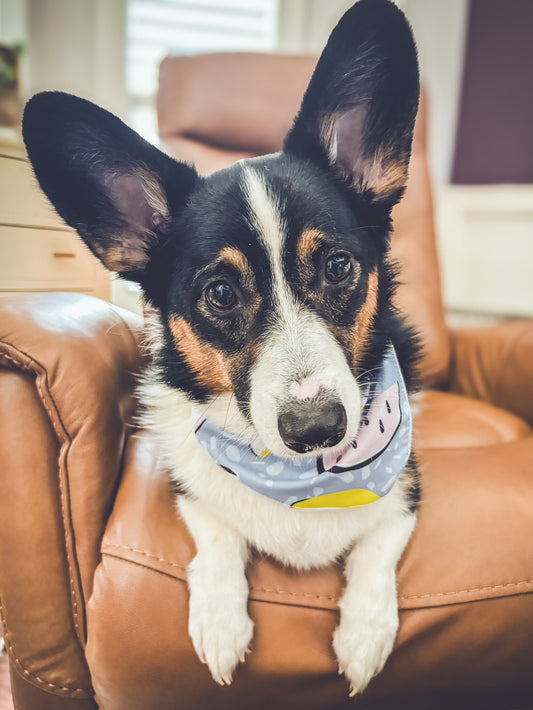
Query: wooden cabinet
[(38, 251)]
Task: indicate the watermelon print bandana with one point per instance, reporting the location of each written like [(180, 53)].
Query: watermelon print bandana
[(362, 473)]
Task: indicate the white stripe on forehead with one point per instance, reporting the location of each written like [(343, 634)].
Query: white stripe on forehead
[(267, 221), (299, 356), (288, 319)]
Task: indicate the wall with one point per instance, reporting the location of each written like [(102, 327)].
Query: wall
[(495, 128), (12, 20), (86, 56), (305, 25), (13, 28), (440, 31)]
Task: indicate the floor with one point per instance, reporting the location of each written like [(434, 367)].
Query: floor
[(5, 694)]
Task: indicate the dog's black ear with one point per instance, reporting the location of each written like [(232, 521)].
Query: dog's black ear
[(118, 191), (358, 113)]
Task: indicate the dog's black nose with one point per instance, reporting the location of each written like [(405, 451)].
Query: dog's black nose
[(308, 425)]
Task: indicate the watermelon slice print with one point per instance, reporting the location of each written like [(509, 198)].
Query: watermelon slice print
[(375, 433)]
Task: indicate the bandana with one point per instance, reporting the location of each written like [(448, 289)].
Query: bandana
[(362, 473)]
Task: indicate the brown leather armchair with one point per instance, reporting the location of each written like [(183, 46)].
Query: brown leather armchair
[(93, 554)]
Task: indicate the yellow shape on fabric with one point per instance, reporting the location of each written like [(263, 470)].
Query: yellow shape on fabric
[(265, 453), (344, 499)]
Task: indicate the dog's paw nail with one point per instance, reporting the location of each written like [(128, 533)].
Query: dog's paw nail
[(226, 679)]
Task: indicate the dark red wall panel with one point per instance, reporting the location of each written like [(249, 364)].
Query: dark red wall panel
[(494, 141)]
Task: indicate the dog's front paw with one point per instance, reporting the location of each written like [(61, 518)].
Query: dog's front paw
[(362, 645), (221, 638), (219, 625)]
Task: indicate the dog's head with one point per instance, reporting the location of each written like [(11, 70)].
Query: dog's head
[(270, 278)]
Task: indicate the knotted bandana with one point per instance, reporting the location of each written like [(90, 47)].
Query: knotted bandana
[(361, 473)]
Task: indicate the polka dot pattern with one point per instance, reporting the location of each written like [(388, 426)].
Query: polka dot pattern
[(371, 463)]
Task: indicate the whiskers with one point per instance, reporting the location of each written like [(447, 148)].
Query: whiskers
[(368, 378), (227, 411)]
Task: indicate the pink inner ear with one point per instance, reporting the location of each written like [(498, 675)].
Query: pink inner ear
[(375, 169), (347, 151), (127, 194)]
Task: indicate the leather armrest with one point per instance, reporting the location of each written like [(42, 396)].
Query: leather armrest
[(67, 366), (495, 364)]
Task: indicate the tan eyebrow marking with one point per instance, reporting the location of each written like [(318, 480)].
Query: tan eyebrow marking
[(235, 257), (205, 361), (308, 243)]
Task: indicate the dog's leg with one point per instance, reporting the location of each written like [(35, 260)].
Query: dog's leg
[(369, 607), (219, 625)]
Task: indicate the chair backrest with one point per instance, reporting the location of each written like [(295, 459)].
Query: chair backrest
[(214, 109)]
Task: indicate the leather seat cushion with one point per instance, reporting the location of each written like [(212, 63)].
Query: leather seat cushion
[(464, 581), (238, 101), (448, 420)]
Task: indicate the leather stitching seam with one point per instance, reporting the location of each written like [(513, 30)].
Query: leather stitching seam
[(487, 588), (184, 569), (405, 597), (39, 372), (27, 674), (143, 553)]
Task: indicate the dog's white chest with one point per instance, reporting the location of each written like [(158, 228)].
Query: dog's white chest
[(297, 537)]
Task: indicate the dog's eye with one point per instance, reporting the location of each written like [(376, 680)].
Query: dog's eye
[(220, 295), (338, 267)]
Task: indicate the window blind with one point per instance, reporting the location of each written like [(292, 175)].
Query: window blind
[(156, 28)]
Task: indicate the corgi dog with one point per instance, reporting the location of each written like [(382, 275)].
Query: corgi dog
[(281, 370)]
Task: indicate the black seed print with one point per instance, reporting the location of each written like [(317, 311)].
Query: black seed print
[(388, 406), (381, 427)]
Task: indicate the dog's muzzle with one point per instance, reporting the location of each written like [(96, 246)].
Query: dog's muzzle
[(362, 472)]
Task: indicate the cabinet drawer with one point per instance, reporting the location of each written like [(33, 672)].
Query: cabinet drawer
[(38, 259), (21, 199)]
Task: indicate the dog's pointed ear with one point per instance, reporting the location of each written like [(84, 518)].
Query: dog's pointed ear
[(358, 113), (118, 191)]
